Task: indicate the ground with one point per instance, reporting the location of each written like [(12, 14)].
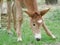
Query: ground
[(52, 20)]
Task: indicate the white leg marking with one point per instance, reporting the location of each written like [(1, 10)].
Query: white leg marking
[(19, 39), (38, 35), (53, 37)]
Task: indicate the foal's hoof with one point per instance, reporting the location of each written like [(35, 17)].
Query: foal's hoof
[(53, 37), (0, 27), (9, 32), (19, 39), (37, 39)]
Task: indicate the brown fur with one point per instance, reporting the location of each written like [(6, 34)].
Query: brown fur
[(33, 13)]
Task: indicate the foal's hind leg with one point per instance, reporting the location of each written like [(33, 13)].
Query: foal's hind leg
[(9, 15), (48, 31), (19, 19), (1, 1)]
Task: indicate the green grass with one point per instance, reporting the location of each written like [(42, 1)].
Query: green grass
[(52, 20)]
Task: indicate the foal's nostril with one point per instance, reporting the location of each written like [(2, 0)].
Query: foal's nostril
[(37, 39), (33, 24)]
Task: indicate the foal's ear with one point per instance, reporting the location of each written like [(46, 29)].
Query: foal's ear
[(44, 11), (29, 13)]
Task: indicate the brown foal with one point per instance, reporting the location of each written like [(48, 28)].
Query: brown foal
[(36, 20)]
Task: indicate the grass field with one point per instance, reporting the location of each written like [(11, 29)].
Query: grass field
[(52, 20)]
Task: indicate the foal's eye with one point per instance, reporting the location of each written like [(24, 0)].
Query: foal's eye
[(33, 24)]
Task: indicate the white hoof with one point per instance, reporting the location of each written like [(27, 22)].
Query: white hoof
[(53, 37), (38, 36), (19, 39)]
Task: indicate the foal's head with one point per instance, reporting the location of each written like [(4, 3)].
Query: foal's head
[(37, 15), (37, 21)]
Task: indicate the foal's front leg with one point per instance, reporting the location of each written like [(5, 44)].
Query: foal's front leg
[(19, 19), (48, 31), (14, 15)]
